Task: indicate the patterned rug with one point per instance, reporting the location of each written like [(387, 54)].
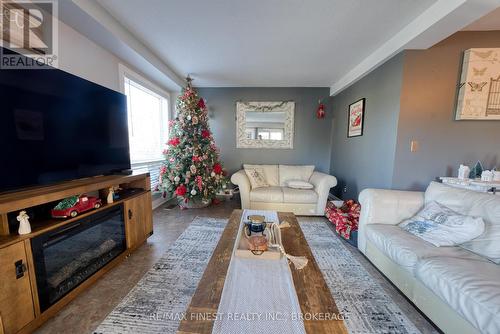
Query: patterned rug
[(158, 301), (364, 303)]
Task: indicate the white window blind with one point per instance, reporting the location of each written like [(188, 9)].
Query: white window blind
[(147, 122)]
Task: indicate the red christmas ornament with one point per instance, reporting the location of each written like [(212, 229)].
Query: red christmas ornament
[(174, 141), (201, 104), (320, 113), (205, 133), (181, 190), (217, 168)]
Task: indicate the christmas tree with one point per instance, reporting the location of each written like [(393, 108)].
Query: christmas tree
[(192, 170)]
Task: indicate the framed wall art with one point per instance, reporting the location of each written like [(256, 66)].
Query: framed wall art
[(356, 118), (479, 87)]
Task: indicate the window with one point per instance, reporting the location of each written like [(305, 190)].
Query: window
[(272, 134), (264, 133), (147, 122)]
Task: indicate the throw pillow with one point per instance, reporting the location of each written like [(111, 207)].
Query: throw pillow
[(270, 173), (472, 203), (299, 184), (256, 177), (288, 172), (442, 226)]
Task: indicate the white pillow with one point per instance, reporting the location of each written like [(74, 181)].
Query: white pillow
[(299, 184), (295, 173), (256, 177), (442, 226), (270, 172), (472, 203)]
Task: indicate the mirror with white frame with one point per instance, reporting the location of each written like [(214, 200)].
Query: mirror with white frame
[(264, 124)]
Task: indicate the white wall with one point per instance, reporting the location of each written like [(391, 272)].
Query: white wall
[(82, 57)]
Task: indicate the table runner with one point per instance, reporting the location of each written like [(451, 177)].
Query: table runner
[(258, 295)]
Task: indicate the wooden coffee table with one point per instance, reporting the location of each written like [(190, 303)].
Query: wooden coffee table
[(312, 291)]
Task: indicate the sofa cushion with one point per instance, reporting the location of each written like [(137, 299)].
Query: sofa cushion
[(257, 177), (267, 194), (287, 173), (441, 226), (475, 204), (270, 172), (299, 184), (472, 288), (406, 249), (291, 195)]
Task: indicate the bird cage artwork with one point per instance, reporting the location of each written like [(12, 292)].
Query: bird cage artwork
[(479, 87), (493, 106)]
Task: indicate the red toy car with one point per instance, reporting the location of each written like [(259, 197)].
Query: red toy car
[(73, 206)]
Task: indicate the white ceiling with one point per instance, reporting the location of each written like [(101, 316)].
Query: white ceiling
[(264, 42), (490, 21)]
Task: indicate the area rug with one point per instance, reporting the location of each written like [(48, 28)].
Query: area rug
[(158, 301), (364, 303)]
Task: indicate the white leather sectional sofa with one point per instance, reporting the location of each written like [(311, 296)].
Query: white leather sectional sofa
[(457, 289), (277, 196)]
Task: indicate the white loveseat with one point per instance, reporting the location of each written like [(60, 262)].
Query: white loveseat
[(277, 196), (457, 289)]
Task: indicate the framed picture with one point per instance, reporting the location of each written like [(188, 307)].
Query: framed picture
[(356, 118), (479, 88)]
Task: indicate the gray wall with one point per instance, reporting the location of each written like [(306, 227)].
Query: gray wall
[(427, 114), (367, 161), (312, 135)]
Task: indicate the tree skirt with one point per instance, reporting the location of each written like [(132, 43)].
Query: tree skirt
[(157, 302)]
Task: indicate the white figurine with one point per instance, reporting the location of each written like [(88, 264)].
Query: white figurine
[(111, 194), (487, 176), (24, 223), (463, 172), (496, 175)]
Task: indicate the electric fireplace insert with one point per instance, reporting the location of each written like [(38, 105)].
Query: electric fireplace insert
[(67, 256)]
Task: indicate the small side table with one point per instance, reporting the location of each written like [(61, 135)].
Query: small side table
[(492, 187)]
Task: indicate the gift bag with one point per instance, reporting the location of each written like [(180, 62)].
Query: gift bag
[(345, 219)]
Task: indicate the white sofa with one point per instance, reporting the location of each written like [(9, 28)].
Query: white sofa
[(456, 288), (277, 196)]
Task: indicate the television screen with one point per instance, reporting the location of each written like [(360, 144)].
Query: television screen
[(55, 126)]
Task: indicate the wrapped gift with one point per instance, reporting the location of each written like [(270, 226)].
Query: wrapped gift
[(345, 218)]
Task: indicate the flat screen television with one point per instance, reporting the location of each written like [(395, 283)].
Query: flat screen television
[(55, 126)]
